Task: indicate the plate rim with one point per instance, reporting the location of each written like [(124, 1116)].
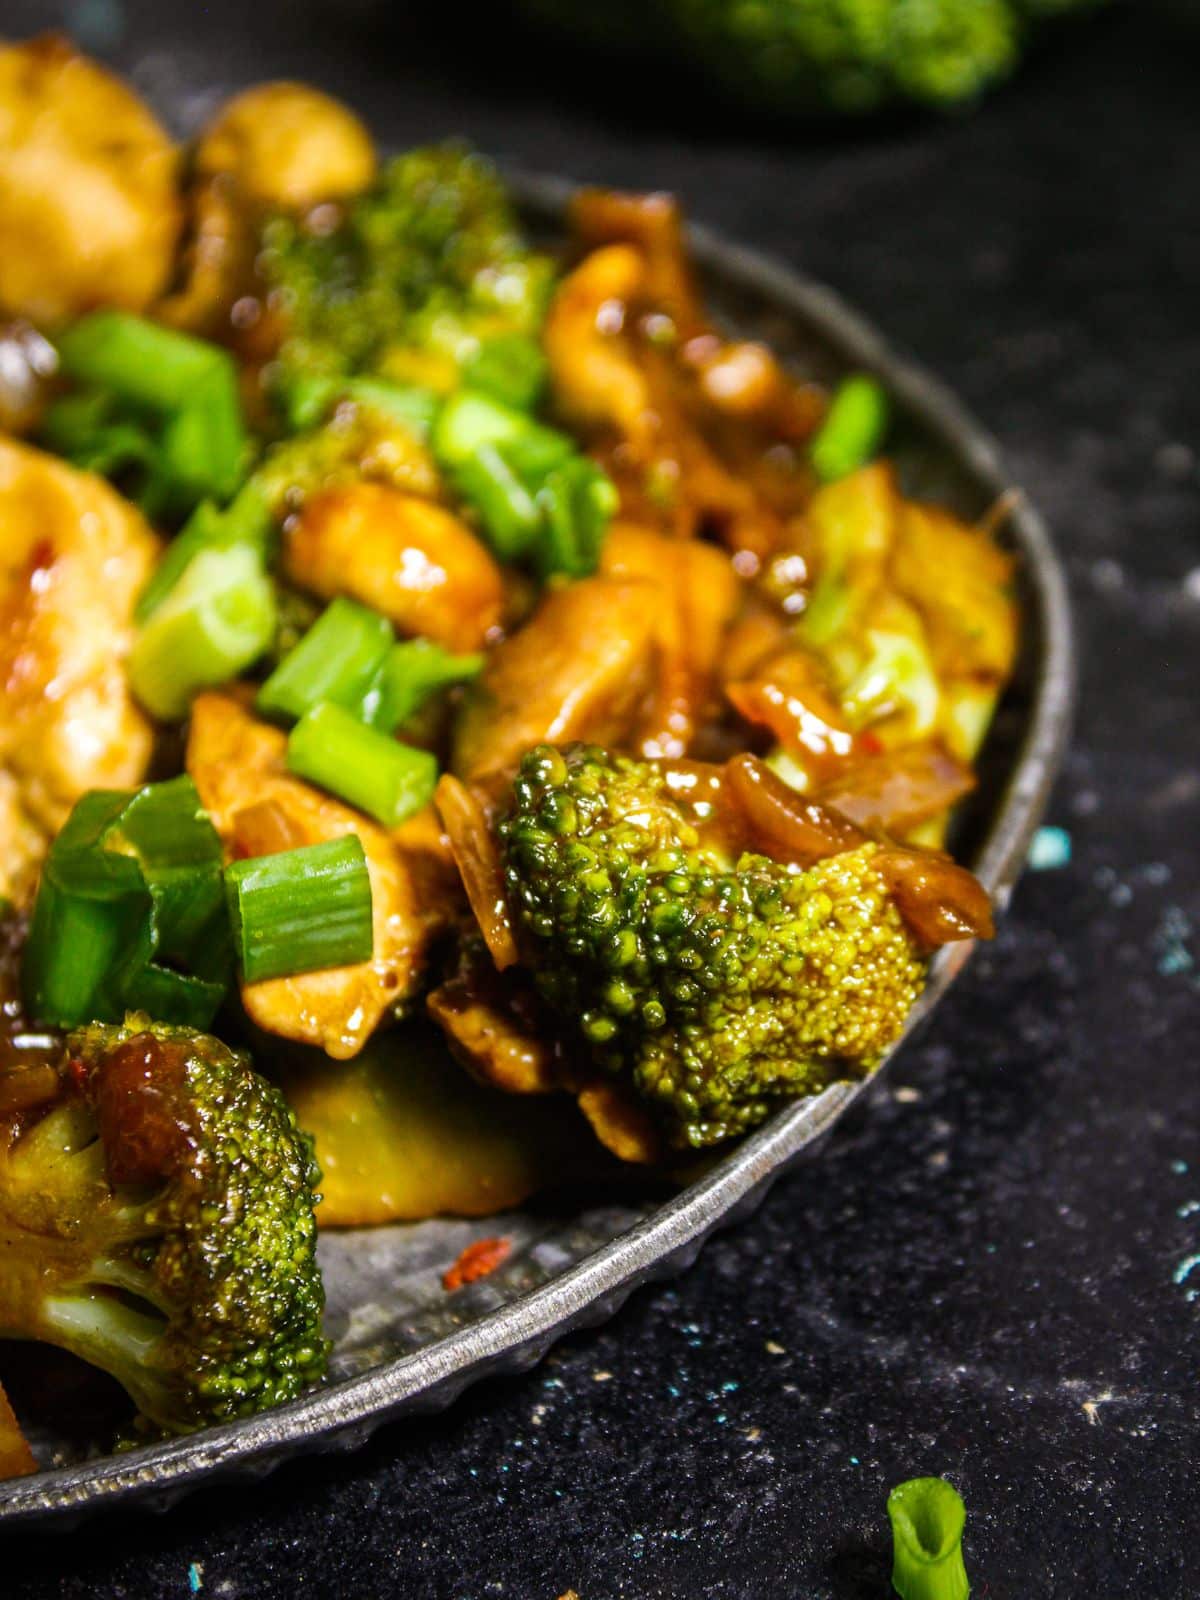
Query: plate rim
[(513, 1337)]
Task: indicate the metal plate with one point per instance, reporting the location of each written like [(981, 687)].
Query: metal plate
[(401, 1343)]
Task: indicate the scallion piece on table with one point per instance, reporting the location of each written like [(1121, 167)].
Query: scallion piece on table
[(927, 1517), (511, 368), (337, 660), (217, 620), (410, 674), (853, 428), (301, 910), (389, 781)]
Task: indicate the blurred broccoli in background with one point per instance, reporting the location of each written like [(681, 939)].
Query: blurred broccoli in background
[(410, 279), (820, 56)]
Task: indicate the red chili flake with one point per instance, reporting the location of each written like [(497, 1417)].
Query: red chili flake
[(871, 743), (476, 1261)]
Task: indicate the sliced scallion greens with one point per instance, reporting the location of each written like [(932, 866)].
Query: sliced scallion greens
[(217, 619), (338, 660), (852, 430), (389, 781), (927, 1517), (300, 910)]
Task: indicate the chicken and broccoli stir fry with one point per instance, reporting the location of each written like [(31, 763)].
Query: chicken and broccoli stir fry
[(421, 652)]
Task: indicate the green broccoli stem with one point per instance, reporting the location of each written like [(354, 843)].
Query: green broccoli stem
[(927, 1517), (118, 1338)]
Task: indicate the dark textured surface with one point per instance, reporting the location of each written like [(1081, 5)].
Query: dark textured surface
[(985, 1276)]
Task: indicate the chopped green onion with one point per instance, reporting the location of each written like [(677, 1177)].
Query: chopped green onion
[(406, 403), (138, 360), (387, 780), (338, 659), (204, 443), (511, 368), (927, 1517), (84, 428), (301, 910), (410, 674), (507, 510), (307, 398), (577, 502), (853, 428), (191, 385), (468, 420), (131, 881), (179, 851), (74, 943), (216, 621), (246, 520)]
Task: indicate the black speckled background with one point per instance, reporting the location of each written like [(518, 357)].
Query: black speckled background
[(988, 1276)]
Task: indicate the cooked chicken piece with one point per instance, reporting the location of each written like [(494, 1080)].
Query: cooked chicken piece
[(413, 561), (73, 558), (654, 225), (597, 381), (287, 145), (276, 146), (700, 592), (620, 1123), (579, 669), (258, 807), (494, 1025), (89, 213)]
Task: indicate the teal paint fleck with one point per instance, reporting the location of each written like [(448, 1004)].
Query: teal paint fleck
[(195, 1577), (1184, 1271), (1049, 849)]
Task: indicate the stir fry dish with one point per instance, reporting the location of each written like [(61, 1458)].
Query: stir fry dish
[(470, 723)]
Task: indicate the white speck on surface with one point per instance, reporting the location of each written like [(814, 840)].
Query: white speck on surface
[(1176, 461), (1091, 1408), (1108, 574), (774, 1349)]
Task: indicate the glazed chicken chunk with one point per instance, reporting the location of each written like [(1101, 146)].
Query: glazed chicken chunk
[(239, 767), (89, 213), (73, 557)]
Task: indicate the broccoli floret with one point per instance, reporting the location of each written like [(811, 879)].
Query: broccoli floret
[(720, 984), (803, 56), (431, 257), (156, 1219)]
